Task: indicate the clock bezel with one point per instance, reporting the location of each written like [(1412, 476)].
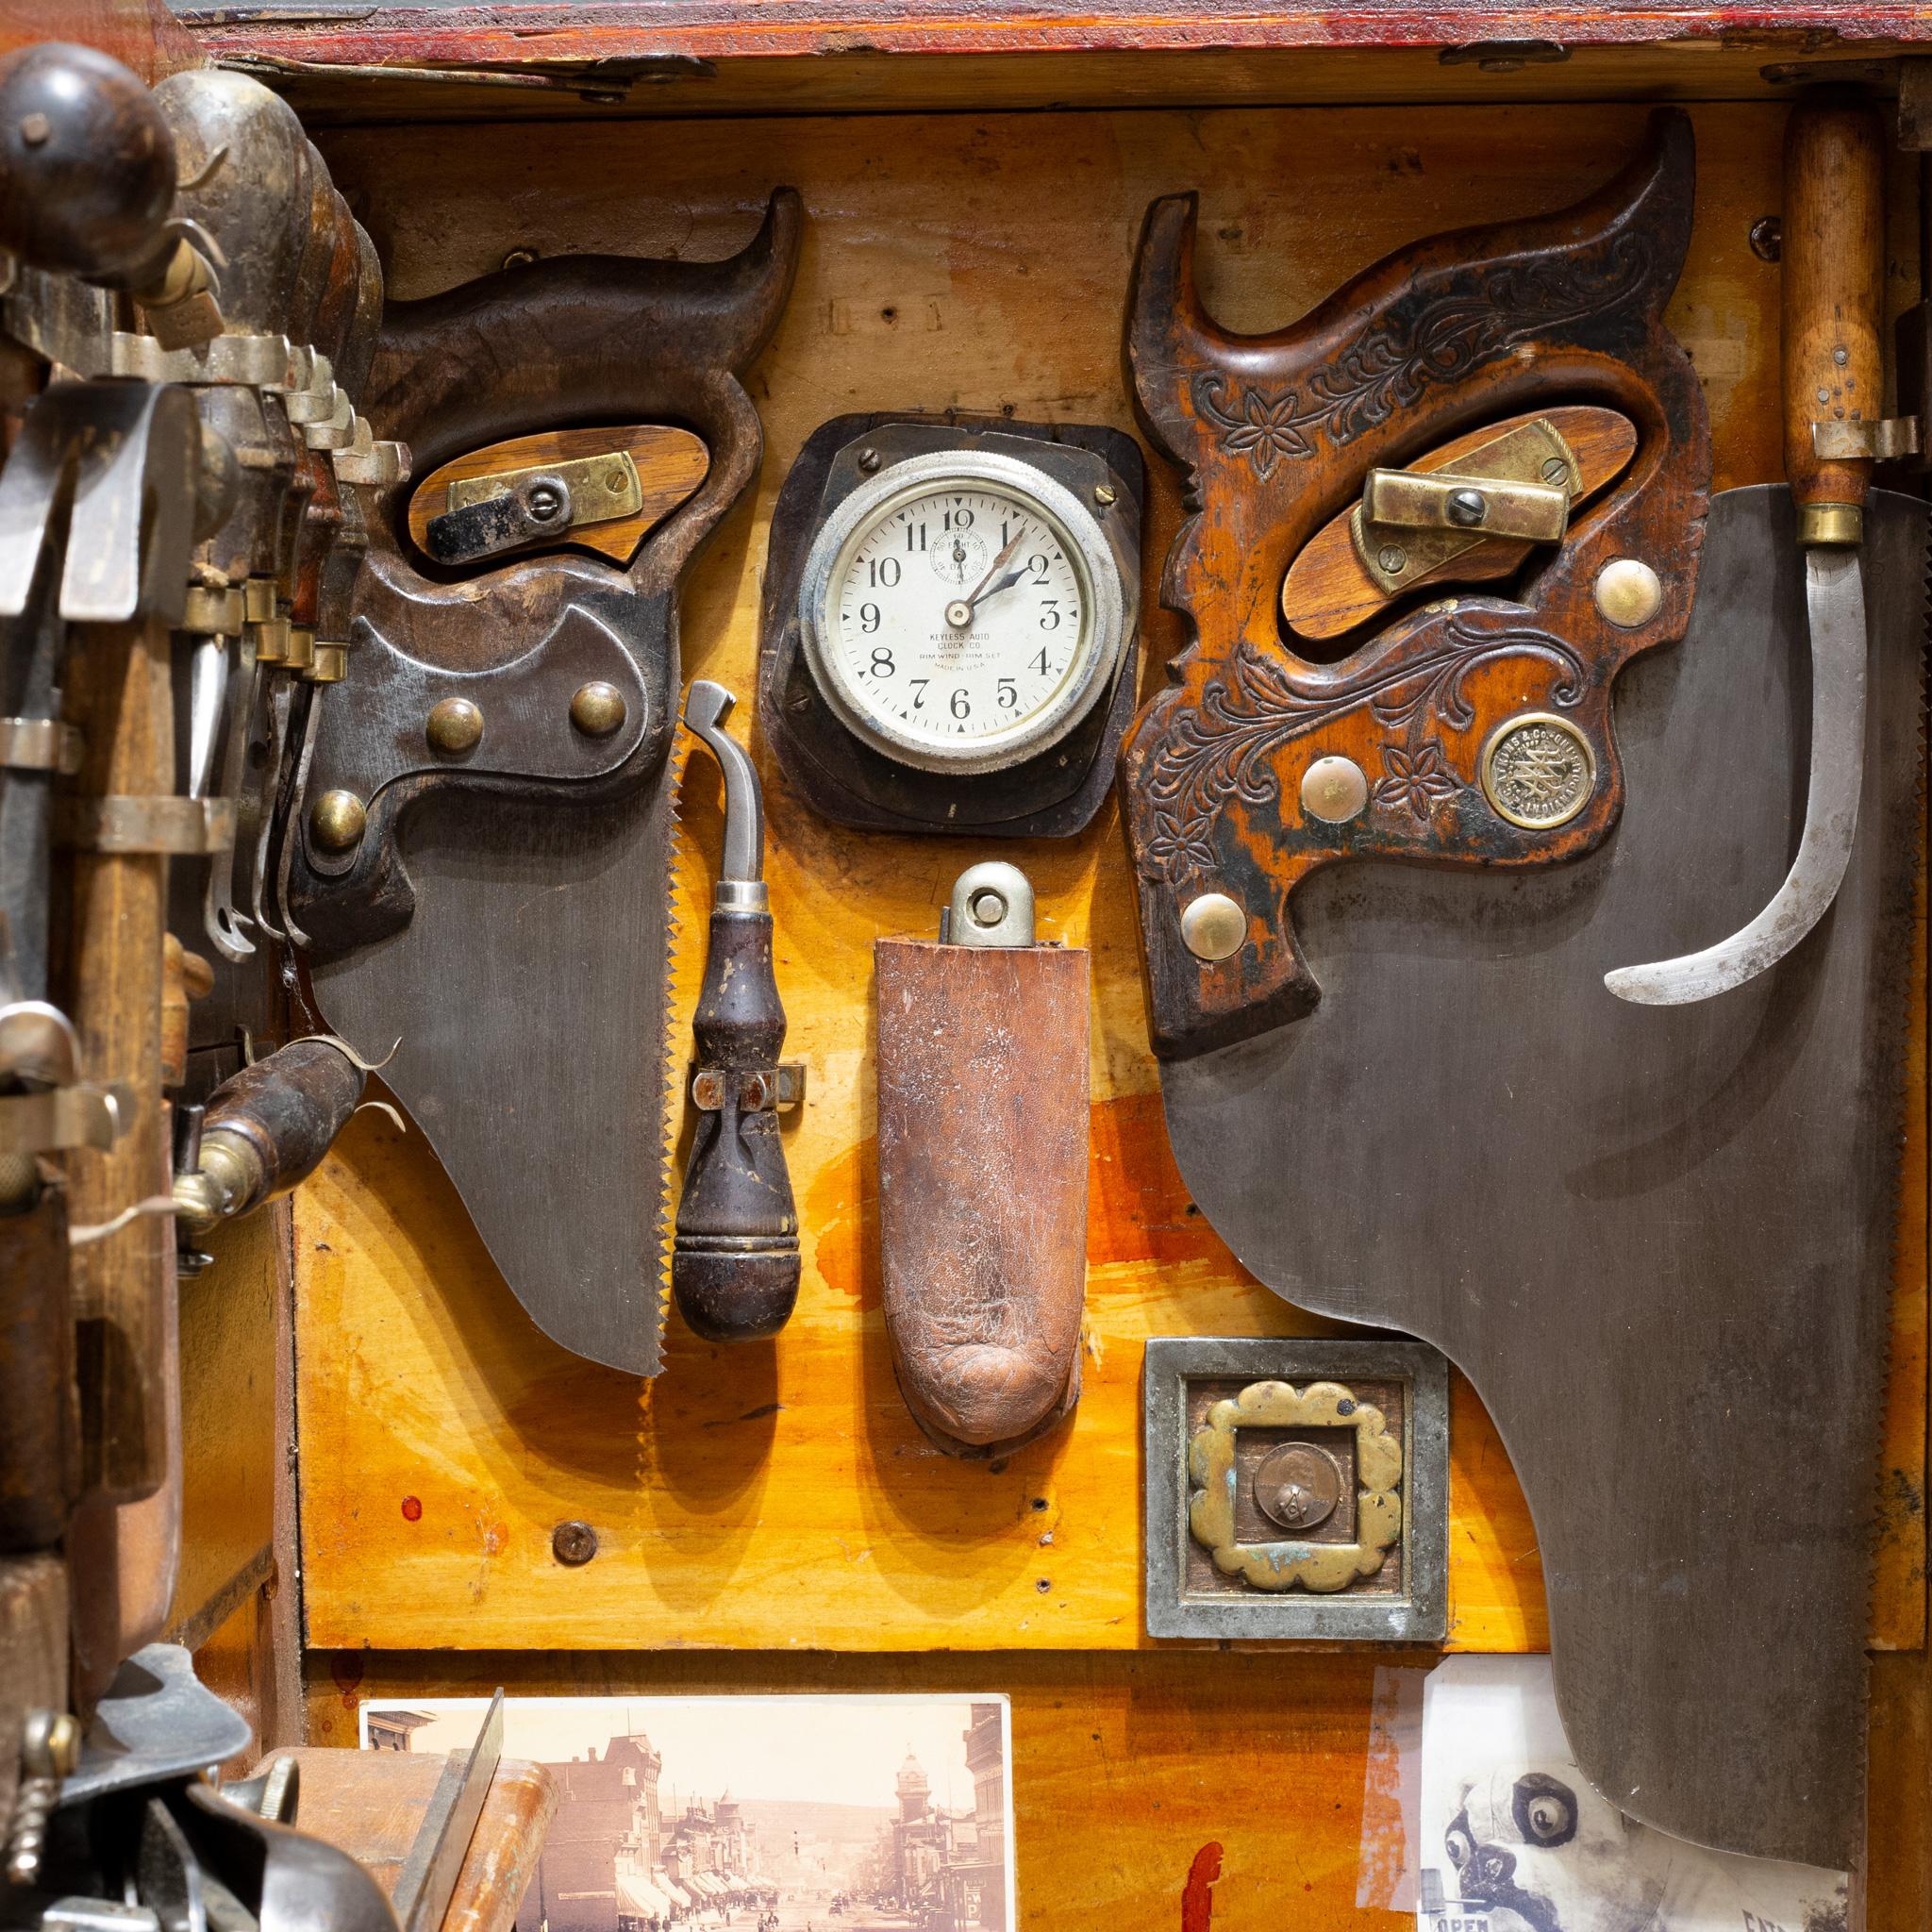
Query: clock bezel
[(1086, 547)]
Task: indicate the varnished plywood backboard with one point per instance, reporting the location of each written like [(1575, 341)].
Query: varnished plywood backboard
[(780, 1497)]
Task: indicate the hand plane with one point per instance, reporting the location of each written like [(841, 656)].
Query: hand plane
[(1425, 775), (482, 860)]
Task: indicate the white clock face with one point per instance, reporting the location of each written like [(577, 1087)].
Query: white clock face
[(953, 616)]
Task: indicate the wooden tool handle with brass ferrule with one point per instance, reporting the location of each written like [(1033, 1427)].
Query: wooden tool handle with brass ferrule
[(1834, 305), (734, 1261)]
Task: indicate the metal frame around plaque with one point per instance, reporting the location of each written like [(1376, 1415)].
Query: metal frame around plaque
[(1415, 1612)]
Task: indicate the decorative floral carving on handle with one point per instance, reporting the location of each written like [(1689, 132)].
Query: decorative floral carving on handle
[(1422, 340), (1223, 750)]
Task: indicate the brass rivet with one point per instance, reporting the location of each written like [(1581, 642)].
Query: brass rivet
[(1334, 790), (597, 709), (456, 725), (1629, 593), (335, 821), (1213, 926)]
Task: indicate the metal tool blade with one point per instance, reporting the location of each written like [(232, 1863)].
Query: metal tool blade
[(428, 1878), (1834, 602), (529, 990), (226, 927), (1657, 1241)]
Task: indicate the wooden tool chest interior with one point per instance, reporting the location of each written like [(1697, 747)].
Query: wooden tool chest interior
[(381, 1446)]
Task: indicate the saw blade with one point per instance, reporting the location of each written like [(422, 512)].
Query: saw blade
[(1656, 1239), (529, 990)]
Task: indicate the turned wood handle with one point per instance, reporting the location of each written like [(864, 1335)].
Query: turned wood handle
[(1834, 302), (287, 1109), (735, 1262)]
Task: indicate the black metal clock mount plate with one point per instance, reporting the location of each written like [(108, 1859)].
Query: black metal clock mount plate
[(1051, 795)]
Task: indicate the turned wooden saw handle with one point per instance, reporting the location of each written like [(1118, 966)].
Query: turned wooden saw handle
[(1834, 304)]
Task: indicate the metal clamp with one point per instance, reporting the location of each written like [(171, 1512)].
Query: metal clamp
[(40, 744), (169, 825), (1468, 503), (777, 1090), (511, 508), (58, 1118), (1518, 488), (1880, 442)]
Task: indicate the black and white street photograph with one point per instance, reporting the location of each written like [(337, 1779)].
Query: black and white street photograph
[(773, 1814)]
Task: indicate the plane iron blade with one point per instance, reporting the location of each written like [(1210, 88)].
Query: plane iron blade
[(1657, 1241), (1835, 603), (529, 990)]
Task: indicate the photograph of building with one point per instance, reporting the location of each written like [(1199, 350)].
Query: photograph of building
[(777, 1814)]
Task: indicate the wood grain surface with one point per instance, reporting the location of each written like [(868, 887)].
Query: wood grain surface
[(372, 1805), (780, 1497), (1126, 1769)]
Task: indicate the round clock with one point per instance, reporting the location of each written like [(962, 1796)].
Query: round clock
[(961, 611)]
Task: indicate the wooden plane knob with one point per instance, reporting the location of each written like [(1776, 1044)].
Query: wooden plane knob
[(983, 1144)]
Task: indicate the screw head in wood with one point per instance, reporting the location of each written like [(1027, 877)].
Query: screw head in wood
[(574, 1543), (1767, 237), (1629, 593), (1213, 926), (335, 821), (1334, 790), (598, 708), (455, 727)]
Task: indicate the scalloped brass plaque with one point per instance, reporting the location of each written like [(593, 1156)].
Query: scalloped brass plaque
[(1291, 1490)]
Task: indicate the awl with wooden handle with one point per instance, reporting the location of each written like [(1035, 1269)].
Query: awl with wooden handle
[(734, 1263), (1834, 394)]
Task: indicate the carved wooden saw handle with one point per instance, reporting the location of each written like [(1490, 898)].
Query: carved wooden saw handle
[(1473, 730)]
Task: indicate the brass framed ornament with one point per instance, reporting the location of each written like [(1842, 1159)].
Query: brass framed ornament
[(1296, 1488)]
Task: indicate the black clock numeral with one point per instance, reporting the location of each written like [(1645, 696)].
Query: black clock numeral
[(1037, 564), (1049, 613), (961, 706), (919, 684), (868, 618), (882, 665), (1009, 694), (1040, 663), (959, 520), (882, 570), (915, 537)]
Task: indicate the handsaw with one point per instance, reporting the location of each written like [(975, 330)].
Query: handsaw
[(483, 865), (1657, 1240)]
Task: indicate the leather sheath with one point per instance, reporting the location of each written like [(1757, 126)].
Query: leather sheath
[(982, 1139)]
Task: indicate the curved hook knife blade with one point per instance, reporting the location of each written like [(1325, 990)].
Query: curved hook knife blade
[(1835, 601)]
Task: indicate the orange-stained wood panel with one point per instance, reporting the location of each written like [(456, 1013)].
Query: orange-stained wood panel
[(780, 1497), (1126, 1769)]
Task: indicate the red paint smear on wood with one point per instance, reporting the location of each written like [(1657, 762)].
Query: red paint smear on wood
[(412, 1509), (1197, 1894)]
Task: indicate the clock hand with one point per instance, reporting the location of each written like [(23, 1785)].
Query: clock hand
[(986, 586), (959, 611)]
